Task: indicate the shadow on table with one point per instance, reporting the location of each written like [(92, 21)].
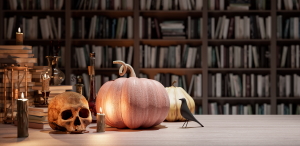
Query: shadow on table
[(130, 130), (15, 137)]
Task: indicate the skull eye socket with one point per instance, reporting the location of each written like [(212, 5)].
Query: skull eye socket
[(66, 114), (84, 113)]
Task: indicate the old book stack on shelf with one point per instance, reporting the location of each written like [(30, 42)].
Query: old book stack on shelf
[(231, 56)]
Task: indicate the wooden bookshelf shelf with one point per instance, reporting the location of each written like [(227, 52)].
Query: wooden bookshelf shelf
[(162, 42), (170, 69), (35, 40), (239, 69), (238, 41), (109, 13), (288, 98), (96, 69), (33, 11), (238, 98), (289, 69), (171, 14), (105, 42), (239, 11), (288, 11), (201, 44)]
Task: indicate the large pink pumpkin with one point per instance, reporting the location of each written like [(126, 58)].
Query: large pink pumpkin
[(133, 102)]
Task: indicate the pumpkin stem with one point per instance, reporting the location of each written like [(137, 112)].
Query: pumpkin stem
[(124, 67), (173, 83)]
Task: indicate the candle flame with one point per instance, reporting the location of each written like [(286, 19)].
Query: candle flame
[(100, 110), (22, 95), (19, 30)]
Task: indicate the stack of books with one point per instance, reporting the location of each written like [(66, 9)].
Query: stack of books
[(239, 5), (54, 90), (38, 117), (172, 29), (17, 54)]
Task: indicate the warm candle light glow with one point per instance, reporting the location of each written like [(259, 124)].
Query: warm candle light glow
[(19, 30), (100, 110), (22, 95)]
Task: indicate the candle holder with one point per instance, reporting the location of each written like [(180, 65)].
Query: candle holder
[(14, 77), (45, 91)]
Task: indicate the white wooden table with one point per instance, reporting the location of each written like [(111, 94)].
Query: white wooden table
[(219, 130)]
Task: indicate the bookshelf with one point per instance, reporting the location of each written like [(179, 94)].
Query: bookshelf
[(68, 11)]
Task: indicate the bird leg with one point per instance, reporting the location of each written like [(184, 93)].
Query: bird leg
[(183, 123), (187, 121)]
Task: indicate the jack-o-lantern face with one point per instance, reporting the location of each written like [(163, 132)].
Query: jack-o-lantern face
[(69, 111)]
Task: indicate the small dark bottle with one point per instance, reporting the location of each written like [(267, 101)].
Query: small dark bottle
[(92, 94)]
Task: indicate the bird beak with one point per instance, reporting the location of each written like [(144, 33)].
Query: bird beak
[(180, 98)]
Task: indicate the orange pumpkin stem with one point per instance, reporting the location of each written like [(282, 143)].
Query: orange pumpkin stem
[(173, 83), (124, 67)]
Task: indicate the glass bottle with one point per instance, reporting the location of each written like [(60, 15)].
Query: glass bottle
[(92, 94), (79, 85), (57, 76)]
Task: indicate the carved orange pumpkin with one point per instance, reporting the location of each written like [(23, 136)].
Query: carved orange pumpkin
[(133, 102), (175, 93)]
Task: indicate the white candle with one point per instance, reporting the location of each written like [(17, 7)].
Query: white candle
[(100, 121), (45, 82)]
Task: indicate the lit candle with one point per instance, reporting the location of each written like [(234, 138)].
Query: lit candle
[(19, 37), (22, 116), (100, 121), (45, 82)]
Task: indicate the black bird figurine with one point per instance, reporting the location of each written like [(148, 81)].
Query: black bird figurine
[(186, 113)]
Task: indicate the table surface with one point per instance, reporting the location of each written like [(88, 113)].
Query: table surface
[(218, 130)]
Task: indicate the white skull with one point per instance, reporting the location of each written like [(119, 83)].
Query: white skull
[(69, 111)]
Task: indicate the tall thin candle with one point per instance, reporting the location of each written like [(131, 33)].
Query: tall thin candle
[(22, 116)]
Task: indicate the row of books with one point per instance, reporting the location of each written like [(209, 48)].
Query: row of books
[(167, 78), (237, 27), (288, 56), (288, 28), (180, 56), (196, 86), (238, 85), (289, 85), (287, 109), (238, 4), (34, 4), (287, 4), (246, 56), (171, 4), (104, 55), (102, 27), (102, 4), (259, 109), (194, 89), (33, 28)]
